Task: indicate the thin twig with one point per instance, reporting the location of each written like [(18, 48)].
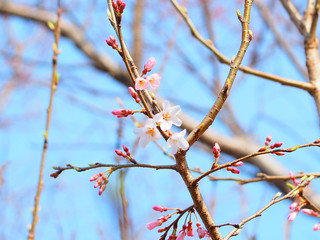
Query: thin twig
[(223, 59), (247, 157), (261, 177), (273, 201), (283, 42), (114, 167), (54, 84), (234, 66)]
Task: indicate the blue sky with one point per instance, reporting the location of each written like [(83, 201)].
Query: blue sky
[(84, 131)]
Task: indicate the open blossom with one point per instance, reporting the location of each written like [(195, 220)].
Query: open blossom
[(141, 83), (168, 116), (202, 232), (176, 141), (182, 233), (154, 80), (149, 65), (148, 133)]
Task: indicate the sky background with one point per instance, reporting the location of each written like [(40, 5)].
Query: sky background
[(84, 131)]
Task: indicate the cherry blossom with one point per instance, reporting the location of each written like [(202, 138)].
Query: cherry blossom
[(154, 80), (176, 141), (182, 233), (141, 83), (202, 232), (147, 133), (168, 116)]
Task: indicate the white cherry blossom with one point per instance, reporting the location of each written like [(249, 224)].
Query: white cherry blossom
[(176, 141), (168, 116), (147, 133)]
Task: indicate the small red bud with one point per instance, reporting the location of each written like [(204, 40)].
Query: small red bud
[(276, 145), (279, 153)]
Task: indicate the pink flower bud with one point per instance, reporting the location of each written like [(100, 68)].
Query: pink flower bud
[(238, 164), (112, 42), (293, 205), (216, 150), (310, 212), (122, 113), (262, 149), (292, 216), (98, 183), (153, 225), (159, 208), (233, 170), (120, 153), (268, 140), (316, 227), (118, 6), (276, 145), (102, 188), (141, 83), (134, 94), (126, 149), (279, 153), (189, 229), (94, 177), (293, 178), (149, 65)]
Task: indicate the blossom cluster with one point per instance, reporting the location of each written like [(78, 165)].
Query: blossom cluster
[(187, 229), (126, 154), (164, 120), (101, 181)]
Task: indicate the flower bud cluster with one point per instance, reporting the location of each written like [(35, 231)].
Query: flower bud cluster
[(187, 229), (273, 146), (126, 154), (118, 6), (101, 181), (112, 42), (233, 169)]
